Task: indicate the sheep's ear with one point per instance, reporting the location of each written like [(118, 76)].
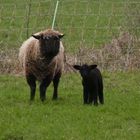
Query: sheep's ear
[(60, 36), (92, 66), (37, 36), (77, 67)]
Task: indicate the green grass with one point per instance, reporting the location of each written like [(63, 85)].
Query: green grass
[(85, 23), (67, 118)]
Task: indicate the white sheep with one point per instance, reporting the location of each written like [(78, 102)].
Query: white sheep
[(42, 58)]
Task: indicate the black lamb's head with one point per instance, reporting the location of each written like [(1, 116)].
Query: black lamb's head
[(49, 42), (84, 69)]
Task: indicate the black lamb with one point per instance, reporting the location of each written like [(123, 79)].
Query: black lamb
[(92, 83)]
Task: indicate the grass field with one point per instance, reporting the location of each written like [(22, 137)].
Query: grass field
[(67, 118), (86, 24)]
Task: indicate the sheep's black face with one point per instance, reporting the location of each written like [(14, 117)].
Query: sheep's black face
[(84, 70), (50, 44)]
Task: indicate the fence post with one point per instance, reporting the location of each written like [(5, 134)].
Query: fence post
[(55, 12)]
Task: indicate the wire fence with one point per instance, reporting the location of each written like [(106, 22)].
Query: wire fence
[(106, 32)]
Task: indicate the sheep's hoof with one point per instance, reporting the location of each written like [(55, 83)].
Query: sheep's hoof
[(102, 102), (95, 104), (30, 102), (85, 103), (54, 98), (43, 99)]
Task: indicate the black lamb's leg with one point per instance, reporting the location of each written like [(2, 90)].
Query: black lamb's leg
[(85, 95), (94, 91), (31, 80), (95, 95), (101, 96), (43, 87), (100, 91), (56, 83), (95, 98), (91, 97)]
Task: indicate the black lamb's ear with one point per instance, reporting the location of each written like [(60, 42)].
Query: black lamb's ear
[(60, 36), (93, 66), (77, 67), (38, 36)]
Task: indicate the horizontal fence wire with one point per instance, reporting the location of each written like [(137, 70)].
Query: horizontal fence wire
[(87, 25)]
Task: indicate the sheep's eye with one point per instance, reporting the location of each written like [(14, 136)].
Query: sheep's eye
[(46, 38), (56, 37)]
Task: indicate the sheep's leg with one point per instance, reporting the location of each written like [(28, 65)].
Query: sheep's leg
[(94, 92), (31, 80), (91, 97), (101, 98), (56, 83), (100, 91), (43, 87), (85, 95), (95, 97)]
